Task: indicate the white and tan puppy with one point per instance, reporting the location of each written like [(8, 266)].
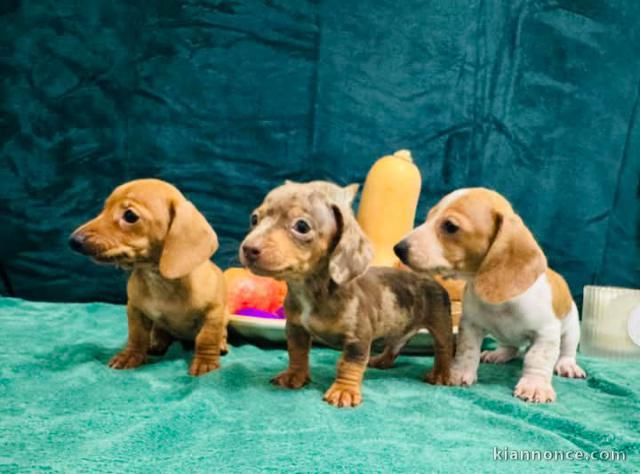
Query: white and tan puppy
[(511, 293)]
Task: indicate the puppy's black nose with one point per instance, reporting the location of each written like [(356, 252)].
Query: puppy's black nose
[(250, 252), (76, 243), (401, 249)]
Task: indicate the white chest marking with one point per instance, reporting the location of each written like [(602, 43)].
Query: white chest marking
[(306, 312), (517, 321)]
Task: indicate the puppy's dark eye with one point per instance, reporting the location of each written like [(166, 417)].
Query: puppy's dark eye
[(130, 217), (449, 227), (253, 220), (301, 226)]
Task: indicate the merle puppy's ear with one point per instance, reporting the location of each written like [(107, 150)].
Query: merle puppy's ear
[(353, 253)]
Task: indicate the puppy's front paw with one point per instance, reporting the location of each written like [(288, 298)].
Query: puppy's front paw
[(341, 396), (568, 367), (127, 360), (463, 377), (534, 389), (201, 366), (501, 355), (438, 378), (291, 379)]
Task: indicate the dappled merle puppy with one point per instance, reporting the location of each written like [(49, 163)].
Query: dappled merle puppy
[(306, 234)]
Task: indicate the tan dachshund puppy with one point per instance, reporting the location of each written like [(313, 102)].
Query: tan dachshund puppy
[(174, 291), (306, 234), (511, 293)]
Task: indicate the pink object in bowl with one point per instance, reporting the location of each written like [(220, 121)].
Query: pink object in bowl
[(256, 313)]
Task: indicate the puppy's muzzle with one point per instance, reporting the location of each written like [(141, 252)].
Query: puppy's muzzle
[(401, 249), (250, 253), (78, 243)]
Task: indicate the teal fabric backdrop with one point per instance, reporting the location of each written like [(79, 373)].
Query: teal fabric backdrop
[(226, 99)]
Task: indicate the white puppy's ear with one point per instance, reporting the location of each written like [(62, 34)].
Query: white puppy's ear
[(190, 241), (512, 264)]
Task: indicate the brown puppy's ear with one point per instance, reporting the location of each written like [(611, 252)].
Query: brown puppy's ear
[(512, 264), (353, 252), (190, 241)]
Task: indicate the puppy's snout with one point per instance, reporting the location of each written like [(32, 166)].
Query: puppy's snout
[(251, 253), (77, 243), (401, 249)]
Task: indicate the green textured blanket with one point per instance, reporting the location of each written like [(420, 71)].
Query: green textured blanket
[(63, 410)]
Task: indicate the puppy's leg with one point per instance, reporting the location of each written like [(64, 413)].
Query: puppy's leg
[(224, 347), (160, 341), (501, 355), (438, 322), (208, 342), (298, 345), (464, 370), (385, 359), (535, 383), (346, 391), (135, 353), (441, 372), (388, 356), (567, 365)]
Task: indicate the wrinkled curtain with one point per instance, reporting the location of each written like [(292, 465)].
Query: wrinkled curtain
[(226, 99)]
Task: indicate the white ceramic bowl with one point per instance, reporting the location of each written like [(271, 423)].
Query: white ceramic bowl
[(272, 330)]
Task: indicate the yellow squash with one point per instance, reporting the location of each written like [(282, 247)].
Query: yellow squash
[(388, 205)]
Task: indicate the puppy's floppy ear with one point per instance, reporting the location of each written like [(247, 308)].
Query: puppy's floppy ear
[(512, 264), (353, 252), (190, 241)]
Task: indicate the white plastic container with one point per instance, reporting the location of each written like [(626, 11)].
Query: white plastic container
[(611, 322)]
